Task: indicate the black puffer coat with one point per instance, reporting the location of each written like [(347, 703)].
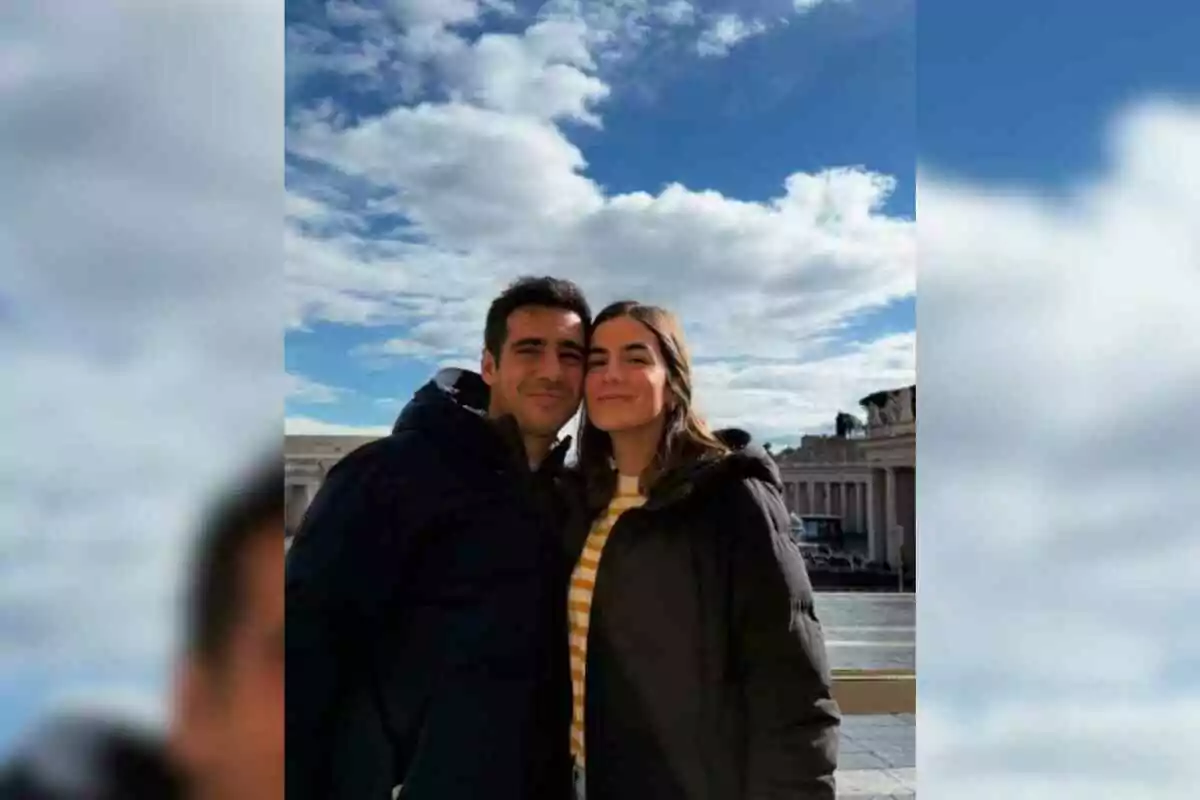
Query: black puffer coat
[(426, 621), (84, 757), (707, 676)]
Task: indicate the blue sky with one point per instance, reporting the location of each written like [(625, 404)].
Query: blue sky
[(1060, 158), (1011, 96), (1053, 617), (722, 101)]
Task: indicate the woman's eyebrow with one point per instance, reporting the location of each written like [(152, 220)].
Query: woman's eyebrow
[(639, 347)]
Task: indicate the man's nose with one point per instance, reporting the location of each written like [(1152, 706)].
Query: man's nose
[(551, 366)]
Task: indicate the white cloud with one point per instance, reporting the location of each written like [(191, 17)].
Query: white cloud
[(780, 402), (677, 12), (307, 426), (399, 347), (143, 355), (465, 172), (380, 355), (460, 363), (725, 32), (1059, 367), (616, 29), (128, 702), (304, 390), (491, 187), (547, 71), (302, 209), (1114, 747), (348, 12), (496, 195), (434, 13), (543, 73)]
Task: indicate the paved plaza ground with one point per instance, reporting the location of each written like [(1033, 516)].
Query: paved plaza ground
[(878, 757), (873, 631)]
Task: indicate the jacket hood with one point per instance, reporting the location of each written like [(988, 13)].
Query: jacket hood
[(452, 408), (77, 755), (746, 460), (450, 397)]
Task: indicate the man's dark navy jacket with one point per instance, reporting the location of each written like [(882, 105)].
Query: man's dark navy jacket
[(426, 615)]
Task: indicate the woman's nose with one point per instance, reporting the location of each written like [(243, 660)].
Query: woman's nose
[(612, 372)]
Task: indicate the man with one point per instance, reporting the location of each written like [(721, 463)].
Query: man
[(426, 586), (227, 717), (226, 733)]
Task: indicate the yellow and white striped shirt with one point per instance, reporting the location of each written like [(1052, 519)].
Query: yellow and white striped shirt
[(579, 597)]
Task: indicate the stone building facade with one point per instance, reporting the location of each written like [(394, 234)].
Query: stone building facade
[(306, 461), (867, 477)]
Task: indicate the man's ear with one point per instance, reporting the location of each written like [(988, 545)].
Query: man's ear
[(487, 367)]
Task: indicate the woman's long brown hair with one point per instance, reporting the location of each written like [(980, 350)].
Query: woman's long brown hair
[(685, 436)]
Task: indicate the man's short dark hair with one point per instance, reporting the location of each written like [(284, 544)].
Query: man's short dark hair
[(217, 594), (546, 292)]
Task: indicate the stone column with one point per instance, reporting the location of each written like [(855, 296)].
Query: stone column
[(868, 514), (860, 512), (890, 505), (890, 511), (808, 485), (872, 523), (851, 503), (895, 546), (860, 501)]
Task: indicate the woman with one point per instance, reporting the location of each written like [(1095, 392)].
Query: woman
[(697, 660)]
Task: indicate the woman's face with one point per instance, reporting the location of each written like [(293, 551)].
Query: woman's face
[(626, 381)]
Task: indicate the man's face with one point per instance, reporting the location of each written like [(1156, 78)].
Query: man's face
[(539, 377), (229, 726)]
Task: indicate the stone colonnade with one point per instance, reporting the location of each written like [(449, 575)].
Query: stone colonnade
[(878, 501), (298, 495), (845, 498)]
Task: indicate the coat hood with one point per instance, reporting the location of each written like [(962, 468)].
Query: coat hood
[(451, 396), (452, 409), (76, 756), (746, 460)]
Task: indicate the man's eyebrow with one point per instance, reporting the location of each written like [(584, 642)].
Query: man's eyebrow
[(531, 341)]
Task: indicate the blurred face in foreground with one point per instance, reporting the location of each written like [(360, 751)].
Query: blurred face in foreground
[(229, 714), (626, 384), (538, 378)]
